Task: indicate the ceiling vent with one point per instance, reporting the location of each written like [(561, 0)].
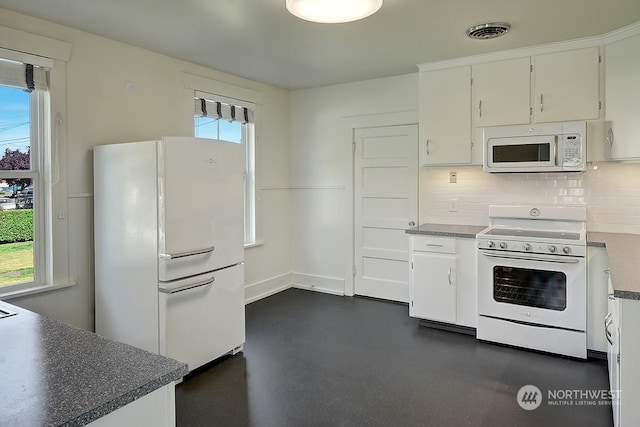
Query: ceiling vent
[(488, 31)]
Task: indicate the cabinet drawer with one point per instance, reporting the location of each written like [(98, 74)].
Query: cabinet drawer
[(446, 245)]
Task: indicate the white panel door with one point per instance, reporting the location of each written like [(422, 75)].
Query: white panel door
[(386, 204), (200, 205)]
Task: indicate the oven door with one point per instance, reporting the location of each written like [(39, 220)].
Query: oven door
[(546, 290)]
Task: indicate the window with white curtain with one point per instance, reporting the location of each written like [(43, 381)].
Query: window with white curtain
[(24, 193), (228, 119)]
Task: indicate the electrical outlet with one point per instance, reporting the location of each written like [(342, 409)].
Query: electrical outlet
[(453, 205), (453, 177)]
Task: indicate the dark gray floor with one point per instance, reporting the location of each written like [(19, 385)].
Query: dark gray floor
[(313, 359)]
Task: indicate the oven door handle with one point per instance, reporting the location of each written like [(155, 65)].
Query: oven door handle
[(526, 257)]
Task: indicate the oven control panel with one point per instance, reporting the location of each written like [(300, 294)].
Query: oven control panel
[(532, 247)]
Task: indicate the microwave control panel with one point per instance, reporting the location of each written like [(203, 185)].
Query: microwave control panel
[(572, 150)]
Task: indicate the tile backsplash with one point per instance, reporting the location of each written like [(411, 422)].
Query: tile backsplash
[(610, 191)]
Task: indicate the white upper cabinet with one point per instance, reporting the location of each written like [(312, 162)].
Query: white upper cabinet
[(566, 85), (622, 91), (501, 92), (445, 116)]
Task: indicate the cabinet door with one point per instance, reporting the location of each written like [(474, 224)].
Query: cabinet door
[(433, 288), (597, 279), (622, 88), (629, 351), (445, 116), (502, 92), (567, 85)]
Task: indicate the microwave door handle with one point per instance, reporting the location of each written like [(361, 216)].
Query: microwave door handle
[(555, 150)]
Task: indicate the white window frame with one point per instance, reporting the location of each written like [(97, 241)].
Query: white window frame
[(51, 54), (248, 140), (39, 166)]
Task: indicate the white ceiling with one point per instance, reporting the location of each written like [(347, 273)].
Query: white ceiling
[(260, 40)]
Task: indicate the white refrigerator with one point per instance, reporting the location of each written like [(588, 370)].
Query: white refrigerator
[(169, 246)]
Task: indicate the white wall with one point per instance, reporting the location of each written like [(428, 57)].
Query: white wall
[(322, 177), (100, 111)]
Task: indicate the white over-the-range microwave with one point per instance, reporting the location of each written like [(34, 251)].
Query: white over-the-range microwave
[(543, 147)]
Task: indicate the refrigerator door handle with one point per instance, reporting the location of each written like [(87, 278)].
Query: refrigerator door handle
[(206, 282), (187, 253)]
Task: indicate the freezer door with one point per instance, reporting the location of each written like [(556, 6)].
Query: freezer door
[(202, 318), (200, 197)]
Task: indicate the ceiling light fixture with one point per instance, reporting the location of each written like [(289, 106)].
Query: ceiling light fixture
[(333, 11)]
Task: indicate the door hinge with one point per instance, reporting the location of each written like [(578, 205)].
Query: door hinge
[(531, 68), (599, 59), (531, 111), (353, 270), (411, 303), (472, 81), (412, 265), (599, 105), (353, 145), (618, 358)]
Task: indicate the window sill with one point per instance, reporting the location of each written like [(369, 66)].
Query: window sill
[(17, 293), (254, 244)]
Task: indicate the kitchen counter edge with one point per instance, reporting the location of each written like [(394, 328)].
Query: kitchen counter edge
[(447, 230)]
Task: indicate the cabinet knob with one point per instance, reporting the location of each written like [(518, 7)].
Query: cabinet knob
[(412, 223)]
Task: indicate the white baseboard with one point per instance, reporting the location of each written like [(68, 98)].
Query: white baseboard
[(265, 288), (328, 285)]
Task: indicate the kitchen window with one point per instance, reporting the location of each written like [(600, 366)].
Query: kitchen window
[(23, 193), (228, 119)]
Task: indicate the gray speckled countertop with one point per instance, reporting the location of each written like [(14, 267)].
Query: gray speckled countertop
[(54, 374), (449, 230), (623, 251)]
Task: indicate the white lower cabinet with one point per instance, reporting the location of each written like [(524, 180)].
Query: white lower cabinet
[(627, 372), (433, 293), (156, 409), (442, 282), (597, 279), (611, 322)]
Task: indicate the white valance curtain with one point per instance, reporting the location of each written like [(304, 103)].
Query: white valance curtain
[(224, 109), (22, 76)]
